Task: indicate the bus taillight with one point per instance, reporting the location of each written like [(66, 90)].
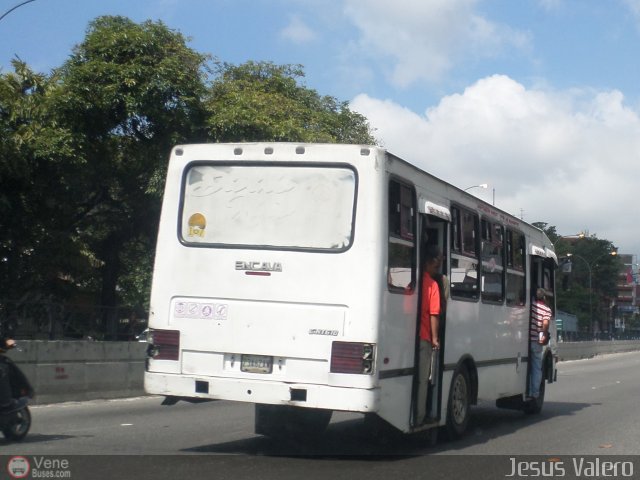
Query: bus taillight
[(352, 357), (163, 344)]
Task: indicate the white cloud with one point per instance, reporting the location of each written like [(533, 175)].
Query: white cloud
[(571, 158), (424, 38), (633, 5), (550, 5), (297, 31)]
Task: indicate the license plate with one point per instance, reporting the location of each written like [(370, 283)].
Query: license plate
[(256, 364)]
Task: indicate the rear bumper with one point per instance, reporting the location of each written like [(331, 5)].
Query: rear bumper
[(263, 391)]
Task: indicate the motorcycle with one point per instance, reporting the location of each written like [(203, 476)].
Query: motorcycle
[(15, 422)]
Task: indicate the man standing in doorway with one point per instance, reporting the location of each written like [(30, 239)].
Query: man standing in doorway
[(429, 326), (538, 337)]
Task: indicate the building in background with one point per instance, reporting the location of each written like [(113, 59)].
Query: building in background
[(566, 326), (625, 306)]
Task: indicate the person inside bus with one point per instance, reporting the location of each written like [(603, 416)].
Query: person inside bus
[(538, 337), (429, 326)]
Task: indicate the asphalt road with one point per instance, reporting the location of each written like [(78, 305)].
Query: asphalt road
[(591, 410)]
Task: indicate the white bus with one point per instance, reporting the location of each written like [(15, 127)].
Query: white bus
[(289, 276)]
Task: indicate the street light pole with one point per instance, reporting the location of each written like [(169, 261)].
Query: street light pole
[(15, 7), (482, 185)]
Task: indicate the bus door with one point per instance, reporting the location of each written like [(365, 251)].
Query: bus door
[(542, 276), (549, 266), (433, 230)]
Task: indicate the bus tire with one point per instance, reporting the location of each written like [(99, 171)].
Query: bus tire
[(280, 421), (458, 404), (533, 407)]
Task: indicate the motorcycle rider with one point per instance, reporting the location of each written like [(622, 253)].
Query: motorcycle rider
[(6, 398)]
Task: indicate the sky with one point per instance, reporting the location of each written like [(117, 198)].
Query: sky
[(539, 99)]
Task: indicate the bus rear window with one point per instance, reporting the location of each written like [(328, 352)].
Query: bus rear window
[(268, 206)]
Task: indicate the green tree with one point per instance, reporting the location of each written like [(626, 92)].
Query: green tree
[(36, 248), (83, 151), (588, 288), (129, 92), (261, 101)]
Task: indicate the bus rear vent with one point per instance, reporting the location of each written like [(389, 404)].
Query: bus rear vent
[(202, 387), (298, 395)]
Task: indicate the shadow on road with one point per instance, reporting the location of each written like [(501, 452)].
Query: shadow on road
[(352, 438), (488, 422), (38, 438), (343, 438)]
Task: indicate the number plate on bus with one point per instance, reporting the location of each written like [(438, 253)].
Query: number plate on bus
[(256, 364)]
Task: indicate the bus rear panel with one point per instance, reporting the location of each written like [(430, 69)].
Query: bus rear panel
[(249, 300)]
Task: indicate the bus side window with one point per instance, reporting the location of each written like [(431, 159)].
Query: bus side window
[(492, 262), (464, 254), (401, 263), (516, 275)]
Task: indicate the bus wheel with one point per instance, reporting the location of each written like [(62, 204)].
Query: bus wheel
[(289, 421), (534, 407), (310, 421), (458, 405)]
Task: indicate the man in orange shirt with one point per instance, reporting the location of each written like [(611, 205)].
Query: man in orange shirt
[(429, 325)]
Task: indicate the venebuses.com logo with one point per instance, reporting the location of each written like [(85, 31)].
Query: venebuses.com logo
[(38, 467), (18, 467)]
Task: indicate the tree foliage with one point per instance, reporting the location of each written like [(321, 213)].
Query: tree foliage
[(590, 282), (264, 101), (129, 92), (36, 153), (83, 151)]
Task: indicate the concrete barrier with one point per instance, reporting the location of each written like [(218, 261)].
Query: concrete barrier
[(62, 371), (578, 350)]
